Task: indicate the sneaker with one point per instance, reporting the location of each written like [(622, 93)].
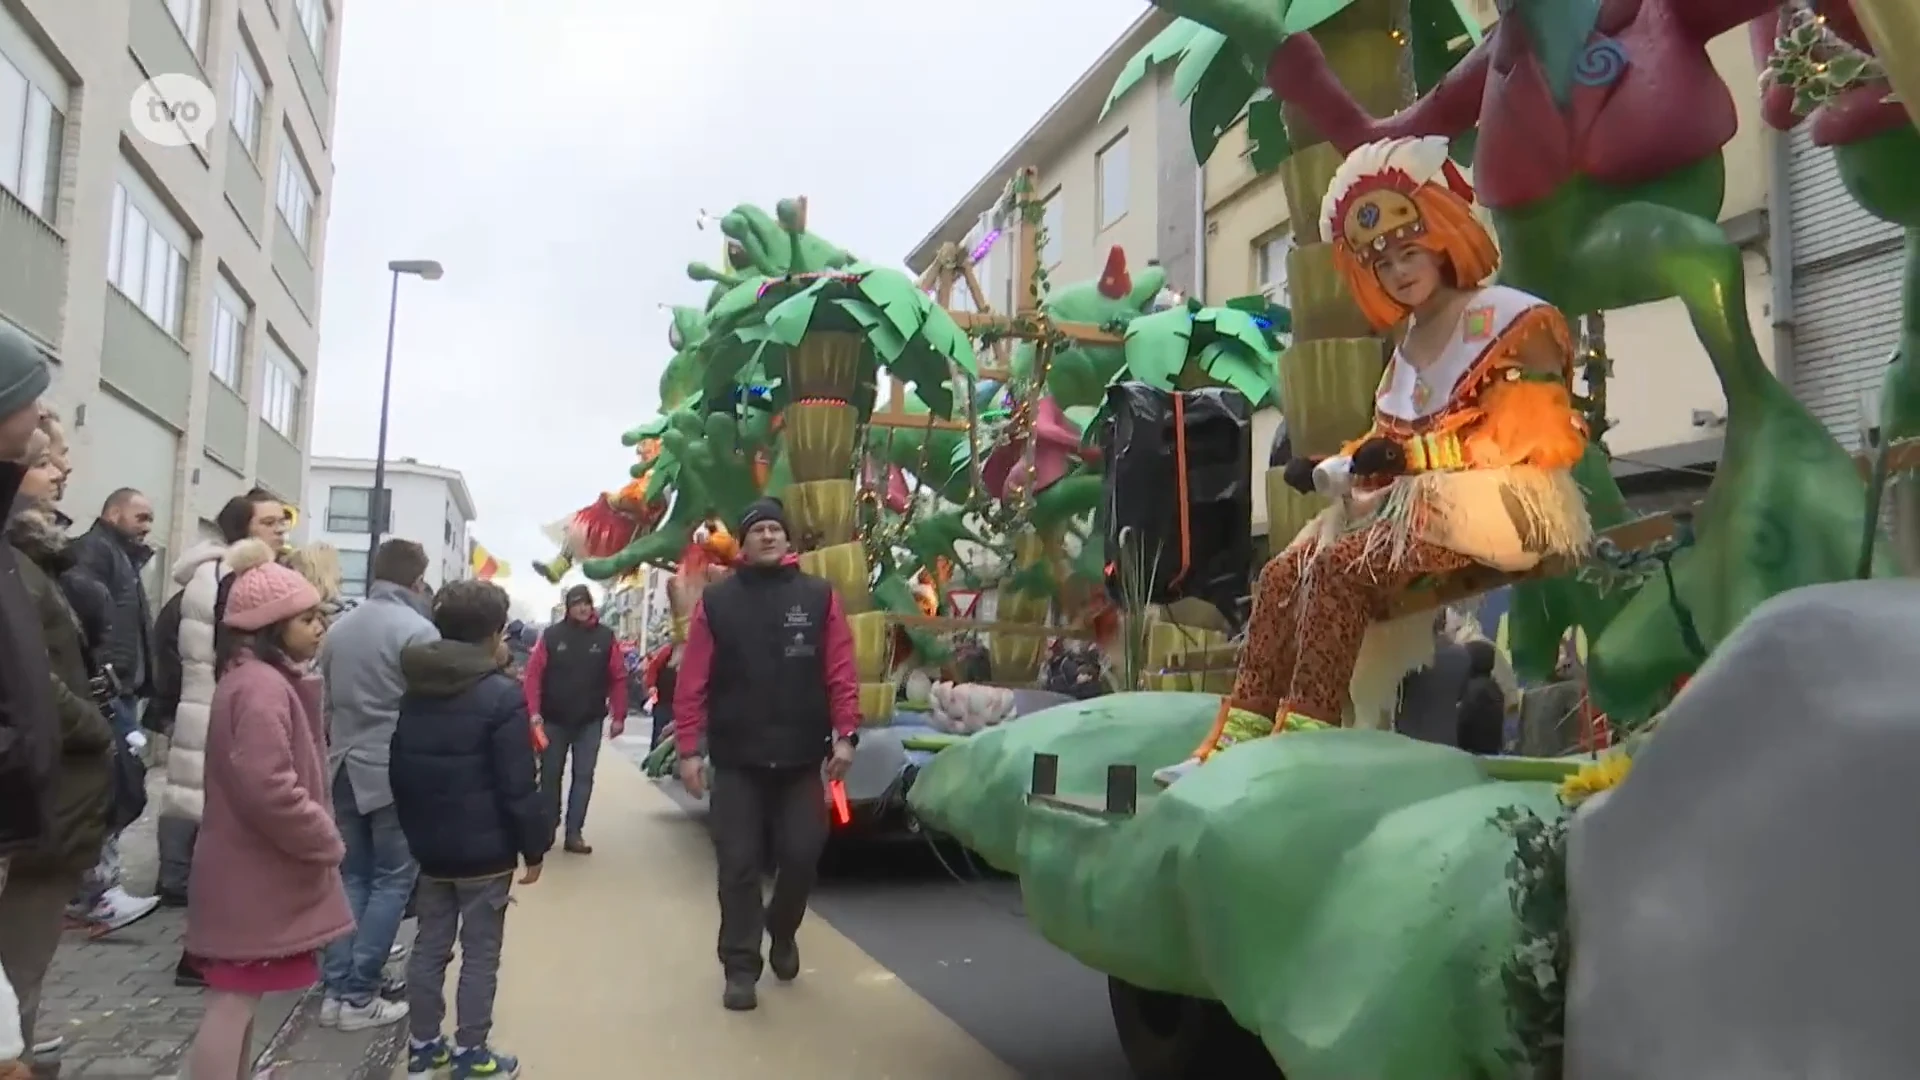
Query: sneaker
[(377, 1013), (49, 1047), (399, 953), (483, 1061), (330, 1007), (784, 958), (171, 899), (425, 1060), (740, 995), (117, 910), (393, 989)]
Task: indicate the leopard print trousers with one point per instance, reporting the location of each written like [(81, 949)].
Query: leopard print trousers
[(1310, 614)]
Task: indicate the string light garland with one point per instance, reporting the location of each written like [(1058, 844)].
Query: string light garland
[(1815, 63)]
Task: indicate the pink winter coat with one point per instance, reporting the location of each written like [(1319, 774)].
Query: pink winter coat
[(266, 866)]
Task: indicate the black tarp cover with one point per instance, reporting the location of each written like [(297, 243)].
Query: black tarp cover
[(1142, 492)]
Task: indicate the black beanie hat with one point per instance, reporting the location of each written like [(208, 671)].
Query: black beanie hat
[(765, 509), (579, 594)]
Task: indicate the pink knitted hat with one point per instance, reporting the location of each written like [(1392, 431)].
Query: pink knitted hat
[(264, 592)]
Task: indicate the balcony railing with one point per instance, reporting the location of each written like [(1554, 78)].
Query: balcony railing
[(294, 268), (144, 363), (158, 43), (246, 189), (33, 276), (226, 425), (281, 464), (311, 75)]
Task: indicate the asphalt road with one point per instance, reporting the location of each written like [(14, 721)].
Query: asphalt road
[(956, 935)]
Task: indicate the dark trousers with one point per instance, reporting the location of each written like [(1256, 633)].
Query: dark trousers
[(176, 836), (473, 913), (581, 742), (759, 817), (662, 723)]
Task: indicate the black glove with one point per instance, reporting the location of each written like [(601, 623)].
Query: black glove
[(1299, 474), (1380, 457)]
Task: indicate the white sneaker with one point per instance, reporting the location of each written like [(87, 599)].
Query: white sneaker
[(117, 910), (399, 953), (330, 1011), (374, 1014), (49, 1047)]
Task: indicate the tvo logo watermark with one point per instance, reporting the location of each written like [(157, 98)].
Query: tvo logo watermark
[(173, 110)]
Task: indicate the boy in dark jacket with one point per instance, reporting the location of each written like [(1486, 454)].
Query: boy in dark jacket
[(467, 794)]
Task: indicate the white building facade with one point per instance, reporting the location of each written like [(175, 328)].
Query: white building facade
[(427, 504), (173, 273)]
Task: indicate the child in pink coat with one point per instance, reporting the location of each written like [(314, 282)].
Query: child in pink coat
[(266, 869)]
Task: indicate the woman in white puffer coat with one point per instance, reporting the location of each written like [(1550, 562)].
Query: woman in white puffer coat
[(200, 574)]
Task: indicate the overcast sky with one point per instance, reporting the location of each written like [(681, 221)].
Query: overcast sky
[(555, 156)]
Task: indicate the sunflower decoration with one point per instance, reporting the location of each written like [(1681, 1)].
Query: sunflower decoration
[(1604, 774)]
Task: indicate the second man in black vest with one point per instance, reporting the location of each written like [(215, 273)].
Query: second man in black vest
[(768, 676), (576, 683)]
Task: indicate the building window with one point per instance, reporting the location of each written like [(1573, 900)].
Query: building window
[(449, 537), (355, 570), (294, 196), (1051, 221), (31, 131), (280, 391), (145, 265), (350, 510), (229, 338), (1270, 266), (1112, 174), (249, 100), (313, 23), (186, 15)]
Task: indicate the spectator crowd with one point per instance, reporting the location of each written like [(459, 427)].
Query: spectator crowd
[(331, 764)]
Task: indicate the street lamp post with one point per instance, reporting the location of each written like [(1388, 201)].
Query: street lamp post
[(426, 270)]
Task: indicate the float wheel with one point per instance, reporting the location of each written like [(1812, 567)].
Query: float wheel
[(1175, 1037)]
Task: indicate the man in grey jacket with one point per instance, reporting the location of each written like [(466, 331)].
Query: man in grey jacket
[(360, 664)]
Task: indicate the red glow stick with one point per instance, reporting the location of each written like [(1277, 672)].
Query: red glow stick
[(842, 813)]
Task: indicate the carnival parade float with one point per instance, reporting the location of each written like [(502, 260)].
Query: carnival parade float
[(1343, 903), (1271, 877)]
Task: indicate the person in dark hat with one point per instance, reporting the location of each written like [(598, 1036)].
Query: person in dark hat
[(787, 701), (576, 683), (29, 724)]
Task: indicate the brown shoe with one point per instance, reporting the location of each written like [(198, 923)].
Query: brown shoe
[(577, 845)]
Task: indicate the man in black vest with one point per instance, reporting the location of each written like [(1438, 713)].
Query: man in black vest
[(768, 675), (576, 680)]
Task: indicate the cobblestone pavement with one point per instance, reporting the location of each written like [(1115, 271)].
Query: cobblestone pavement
[(114, 1002)]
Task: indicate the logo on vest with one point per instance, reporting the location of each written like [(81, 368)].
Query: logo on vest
[(798, 621)]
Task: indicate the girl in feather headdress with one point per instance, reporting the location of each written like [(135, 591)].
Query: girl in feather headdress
[(1468, 461)]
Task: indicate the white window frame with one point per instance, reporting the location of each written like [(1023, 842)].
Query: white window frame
[(32, 124), (282, 386), (227, 344), (187, 16), (1113, 181), (1270, 266), (1053, 219), (295, 194), (314, 21), (249, 109), (148, 254)]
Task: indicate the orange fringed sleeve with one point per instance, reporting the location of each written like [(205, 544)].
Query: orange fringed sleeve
[(1526, 407)]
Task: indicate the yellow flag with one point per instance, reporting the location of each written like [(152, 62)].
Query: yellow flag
[(485, 566)]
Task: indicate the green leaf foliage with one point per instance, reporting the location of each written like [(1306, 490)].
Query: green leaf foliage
[(1167, 45)]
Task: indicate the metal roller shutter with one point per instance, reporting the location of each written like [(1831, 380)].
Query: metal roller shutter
[(1846, 292)]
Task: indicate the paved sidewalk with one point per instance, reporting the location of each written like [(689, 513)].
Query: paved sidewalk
[(114, 1002), (610, 971)]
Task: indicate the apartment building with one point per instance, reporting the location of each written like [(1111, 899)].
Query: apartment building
[(165, 168), (1125, 179), (425, 503)]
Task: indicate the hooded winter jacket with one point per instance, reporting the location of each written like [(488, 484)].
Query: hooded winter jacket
[(198, 573), (83, 781), (465, 785)]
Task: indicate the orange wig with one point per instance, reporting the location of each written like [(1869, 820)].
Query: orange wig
[(1450, 231)]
